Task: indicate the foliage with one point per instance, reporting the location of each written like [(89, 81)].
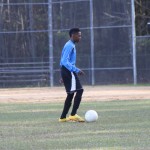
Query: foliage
[(142, 10), (24, 36)]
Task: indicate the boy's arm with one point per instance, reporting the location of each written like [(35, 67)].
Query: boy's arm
[(66, 63)]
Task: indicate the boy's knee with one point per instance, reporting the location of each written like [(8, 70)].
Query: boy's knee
[(80, 92)]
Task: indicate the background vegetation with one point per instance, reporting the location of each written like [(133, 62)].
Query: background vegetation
[(24, 39)]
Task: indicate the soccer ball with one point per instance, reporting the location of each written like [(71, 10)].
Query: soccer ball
[(91, 116)]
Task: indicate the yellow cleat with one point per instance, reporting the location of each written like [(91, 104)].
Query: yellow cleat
[(76, 118), (63, 120)]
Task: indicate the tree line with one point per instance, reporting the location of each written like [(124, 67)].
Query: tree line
[(18, 23)]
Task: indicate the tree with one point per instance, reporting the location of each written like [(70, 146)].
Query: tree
[(142, 10)]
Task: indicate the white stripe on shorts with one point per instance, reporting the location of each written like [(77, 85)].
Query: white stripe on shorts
[(73, 82)]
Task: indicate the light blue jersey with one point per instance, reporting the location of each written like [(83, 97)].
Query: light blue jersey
[(68, 57)]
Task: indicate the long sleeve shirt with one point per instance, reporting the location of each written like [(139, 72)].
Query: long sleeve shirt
[(68, 57)]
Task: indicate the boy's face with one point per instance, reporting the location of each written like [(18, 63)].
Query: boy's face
[(76, 37)]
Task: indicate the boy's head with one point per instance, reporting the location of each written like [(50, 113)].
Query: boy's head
[(75, 34)]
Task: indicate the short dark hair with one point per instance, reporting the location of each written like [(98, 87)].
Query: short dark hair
[(73, 31)]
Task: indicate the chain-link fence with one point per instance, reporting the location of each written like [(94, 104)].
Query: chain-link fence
[(143, 59), (33, 33)]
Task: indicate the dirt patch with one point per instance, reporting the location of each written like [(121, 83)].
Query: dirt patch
[(57, 94)]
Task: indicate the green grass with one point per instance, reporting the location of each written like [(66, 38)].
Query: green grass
[(121, 125)]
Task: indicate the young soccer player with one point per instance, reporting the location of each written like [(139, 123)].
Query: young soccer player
[(69, 74)]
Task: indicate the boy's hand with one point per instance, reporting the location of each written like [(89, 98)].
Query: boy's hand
[(61, 81), (81, 72)]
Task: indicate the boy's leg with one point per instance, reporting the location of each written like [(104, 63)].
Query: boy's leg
[(67, 105), (77, 101)]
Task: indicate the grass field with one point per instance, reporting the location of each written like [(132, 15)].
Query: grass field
[(34, 126)]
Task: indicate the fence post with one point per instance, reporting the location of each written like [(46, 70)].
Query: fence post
[(50, 35), (134, 42), (92, 43)]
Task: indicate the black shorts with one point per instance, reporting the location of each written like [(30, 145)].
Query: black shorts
[(71, 80)]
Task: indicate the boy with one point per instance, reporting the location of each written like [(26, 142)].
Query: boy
[(69, 74)]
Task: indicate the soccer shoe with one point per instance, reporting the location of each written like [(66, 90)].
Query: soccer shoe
[(76, 118), (63, 120)]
